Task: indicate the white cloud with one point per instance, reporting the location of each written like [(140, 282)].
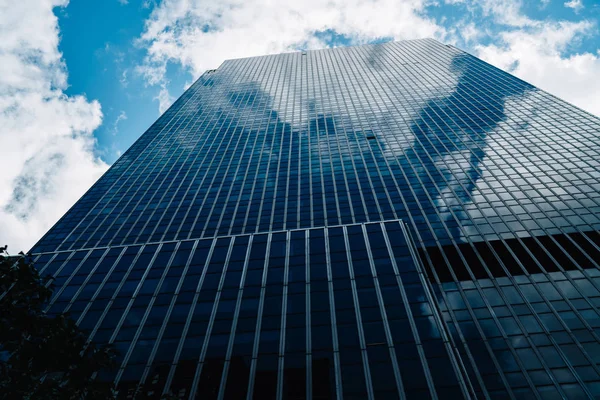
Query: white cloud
[(502, 12), (47, 160), (466, 33), (538, 56), (540, 52), (201, 34), (123, 2), (576, 5)]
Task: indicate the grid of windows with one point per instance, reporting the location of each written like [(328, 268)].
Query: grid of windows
[(286, 313), (250, 243), (411, 130)]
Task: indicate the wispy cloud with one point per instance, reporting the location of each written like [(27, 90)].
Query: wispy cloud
[(576, 5), (124, 79), (121, 117)]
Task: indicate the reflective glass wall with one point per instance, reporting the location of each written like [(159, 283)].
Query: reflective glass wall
[(340, 161)]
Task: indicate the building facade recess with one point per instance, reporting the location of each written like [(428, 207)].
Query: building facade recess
[(399, 220)]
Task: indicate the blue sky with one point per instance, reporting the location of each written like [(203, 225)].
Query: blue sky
[(101, 56), (81, 80)]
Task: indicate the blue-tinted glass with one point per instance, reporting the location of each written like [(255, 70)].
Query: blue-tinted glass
[(399, 217)]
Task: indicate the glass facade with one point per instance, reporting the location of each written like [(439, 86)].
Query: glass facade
[(399, 220)]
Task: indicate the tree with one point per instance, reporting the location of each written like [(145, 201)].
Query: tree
[(43, 357)]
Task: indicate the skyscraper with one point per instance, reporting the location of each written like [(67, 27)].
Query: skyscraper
[(399, 220)]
